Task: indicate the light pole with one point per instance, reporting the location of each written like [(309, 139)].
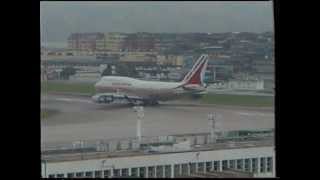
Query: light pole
[(81, 142), (212, 126), (45, 168), (214, 74), (140, 114), (104, 166)]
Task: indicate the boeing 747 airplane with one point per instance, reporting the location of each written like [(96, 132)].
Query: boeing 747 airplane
[(113, 89)]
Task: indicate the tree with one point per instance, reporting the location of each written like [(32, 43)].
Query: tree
[(107, 71), (67, 72), (126, 70)]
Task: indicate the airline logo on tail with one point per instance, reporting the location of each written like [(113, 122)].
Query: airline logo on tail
[(196, 75)]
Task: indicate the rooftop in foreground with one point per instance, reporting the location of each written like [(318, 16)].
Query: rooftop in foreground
[(151, 148)]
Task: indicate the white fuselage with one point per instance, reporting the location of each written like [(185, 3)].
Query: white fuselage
[(111, 88), (146, 89)]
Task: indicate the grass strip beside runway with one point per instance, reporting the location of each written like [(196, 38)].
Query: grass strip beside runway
[(238, 100), (67, 87), (45, 113), (210, 98)]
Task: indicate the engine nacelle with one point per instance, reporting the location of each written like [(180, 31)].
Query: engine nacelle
[(103, 98)]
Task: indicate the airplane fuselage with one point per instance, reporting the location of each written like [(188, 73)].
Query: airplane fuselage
[(111, 89), (157, 90)]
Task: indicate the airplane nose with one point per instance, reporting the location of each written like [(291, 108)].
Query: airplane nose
[(96, 84), (95, 98)]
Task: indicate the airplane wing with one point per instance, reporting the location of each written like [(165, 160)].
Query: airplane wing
[(108, 98)]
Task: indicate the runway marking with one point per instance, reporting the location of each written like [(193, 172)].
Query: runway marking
[(73, 100), (253, 114)]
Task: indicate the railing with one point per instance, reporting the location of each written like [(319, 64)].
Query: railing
[(132, 144), (83, 155)]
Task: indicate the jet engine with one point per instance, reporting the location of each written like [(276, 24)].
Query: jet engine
[(103, 98)]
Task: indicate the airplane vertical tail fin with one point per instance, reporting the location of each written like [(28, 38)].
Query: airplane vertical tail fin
[(196, 75)]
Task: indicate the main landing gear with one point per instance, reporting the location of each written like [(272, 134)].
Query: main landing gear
[(145, 103), (152, 103)]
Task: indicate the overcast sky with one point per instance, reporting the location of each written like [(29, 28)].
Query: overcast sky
[(59, 19)]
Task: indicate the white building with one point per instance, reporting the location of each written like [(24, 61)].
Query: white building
[(170, 60), (239, 85), (85, 76), (246, 84), (138, 57), (175, 75)]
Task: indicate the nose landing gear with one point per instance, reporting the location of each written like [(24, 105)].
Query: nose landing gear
[(152, 102), (145, 103)]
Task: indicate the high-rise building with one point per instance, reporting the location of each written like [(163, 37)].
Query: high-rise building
[(111, 42), (114, 41), (84, 42), (173, 60), (101, 44), (140, 42)]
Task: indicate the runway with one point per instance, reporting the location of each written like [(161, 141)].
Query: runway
[(80, 119)]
